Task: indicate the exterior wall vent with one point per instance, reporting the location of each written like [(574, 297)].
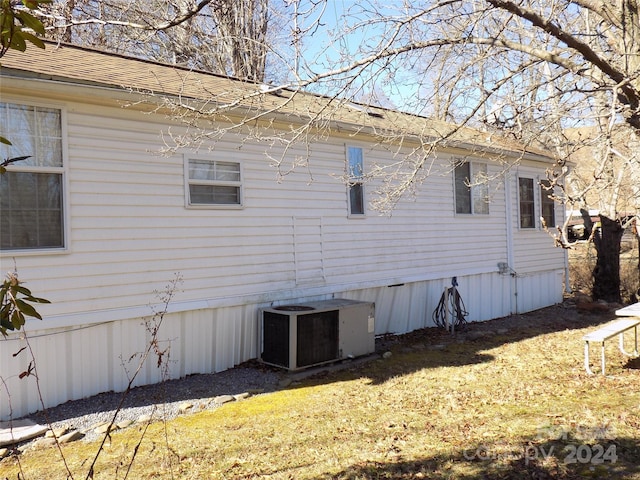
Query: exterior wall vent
[(301, 336)]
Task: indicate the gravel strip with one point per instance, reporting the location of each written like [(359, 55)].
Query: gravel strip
[(159, 401)]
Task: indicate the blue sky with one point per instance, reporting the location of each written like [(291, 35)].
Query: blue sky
[(327, 48)]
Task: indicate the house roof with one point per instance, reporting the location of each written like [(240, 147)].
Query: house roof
[(85, 66)]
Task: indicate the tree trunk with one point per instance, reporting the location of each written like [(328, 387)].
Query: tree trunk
[(606, 274), (636, 232)]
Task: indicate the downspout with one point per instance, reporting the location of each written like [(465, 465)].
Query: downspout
[(567, 278), (510, 258)]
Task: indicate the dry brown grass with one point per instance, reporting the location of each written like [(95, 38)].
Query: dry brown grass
[(507, 400)]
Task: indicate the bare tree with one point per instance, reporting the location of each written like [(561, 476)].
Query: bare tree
[(606, 180), (222, 36)]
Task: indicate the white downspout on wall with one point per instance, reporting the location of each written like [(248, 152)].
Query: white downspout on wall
[(513, 293)]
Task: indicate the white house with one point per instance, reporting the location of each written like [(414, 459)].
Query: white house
[(97, 220)]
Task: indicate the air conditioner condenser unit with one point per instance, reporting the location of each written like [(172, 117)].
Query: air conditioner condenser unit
[(313, 333)]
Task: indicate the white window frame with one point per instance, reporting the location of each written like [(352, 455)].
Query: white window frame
[(355, 180), (224, 183), (61, 170), (545, 193), (535, 202), (472, 189)]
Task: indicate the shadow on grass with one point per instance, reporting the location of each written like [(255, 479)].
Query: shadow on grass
[(435, 347), (563, 458), (633, 364)]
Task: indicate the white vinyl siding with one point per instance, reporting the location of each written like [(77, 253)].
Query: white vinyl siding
[(308, 254), (32, 188), (533, 249), (131, 232)]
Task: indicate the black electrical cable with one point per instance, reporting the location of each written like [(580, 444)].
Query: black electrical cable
[(456, 308)]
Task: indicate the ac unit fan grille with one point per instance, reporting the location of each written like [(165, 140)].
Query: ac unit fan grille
[(298, 340), (317, 338), (276, 339)]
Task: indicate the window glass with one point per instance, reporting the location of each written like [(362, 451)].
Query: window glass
[(33, 131), (480, 189), (527, 203), (31, 190), (215, 194), (356, 199), (355, 162), (214, 183), (356, 186), (463, 190), (201, 170), (471, 188), (547, 204)]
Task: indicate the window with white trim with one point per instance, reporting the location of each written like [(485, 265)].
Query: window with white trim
[(547, 204), (526, 198), (355, 162), (471, 188), (213, 182), (31, 189)]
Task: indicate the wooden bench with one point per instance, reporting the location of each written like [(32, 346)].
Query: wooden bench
[(619, 327)]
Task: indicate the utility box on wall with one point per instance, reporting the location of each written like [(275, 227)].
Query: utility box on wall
[(312, 333)]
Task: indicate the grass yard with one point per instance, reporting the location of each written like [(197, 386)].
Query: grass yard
[(508, 399)]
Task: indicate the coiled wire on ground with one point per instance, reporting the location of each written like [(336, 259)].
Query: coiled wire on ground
[(456, 307)]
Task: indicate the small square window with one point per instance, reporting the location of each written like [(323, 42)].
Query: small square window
[(213, 182)]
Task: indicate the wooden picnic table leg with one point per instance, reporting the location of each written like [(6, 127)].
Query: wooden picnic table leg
[(586, 358)]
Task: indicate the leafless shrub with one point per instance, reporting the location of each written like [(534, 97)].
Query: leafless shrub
[(155, 348)]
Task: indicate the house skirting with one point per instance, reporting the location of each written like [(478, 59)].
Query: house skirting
[(83, 360)]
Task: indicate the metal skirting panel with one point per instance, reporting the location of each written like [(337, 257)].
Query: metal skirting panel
[(535, 291), (407, 307), (79, 362), (74, 363)]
